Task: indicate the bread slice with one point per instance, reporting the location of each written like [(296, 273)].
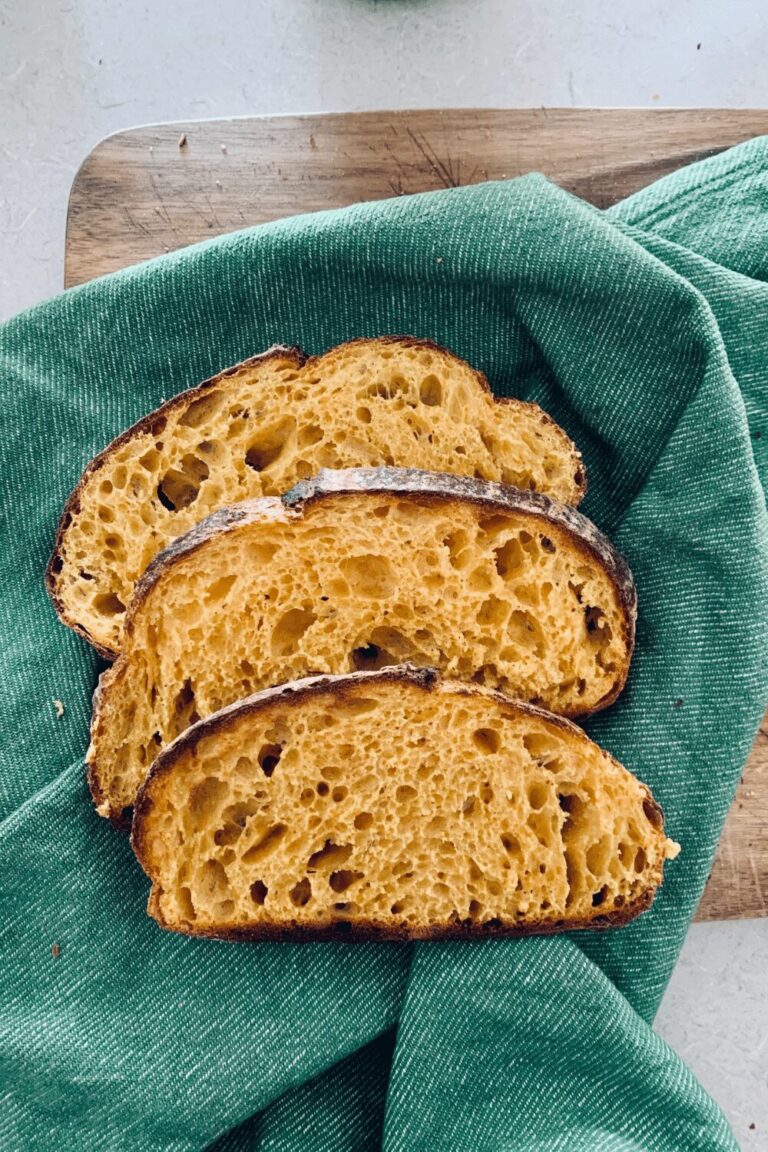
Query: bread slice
[(354, 570), (393, 804), (256, 429)]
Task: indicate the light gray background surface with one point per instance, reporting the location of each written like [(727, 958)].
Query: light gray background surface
[(72, 71)]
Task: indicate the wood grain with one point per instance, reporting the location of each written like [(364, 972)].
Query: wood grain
[(150, 190)]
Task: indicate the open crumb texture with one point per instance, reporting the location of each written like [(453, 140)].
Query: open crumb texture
[(257, 428), (357, 570), (393, 805)]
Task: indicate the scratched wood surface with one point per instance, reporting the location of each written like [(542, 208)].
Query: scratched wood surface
[(153, 189)]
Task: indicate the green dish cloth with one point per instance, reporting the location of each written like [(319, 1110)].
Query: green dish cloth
[(644, 331)]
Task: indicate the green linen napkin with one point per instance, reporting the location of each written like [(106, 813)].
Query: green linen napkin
[(644, 331)]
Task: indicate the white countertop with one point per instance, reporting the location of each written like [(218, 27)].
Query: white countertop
[(72, 71)]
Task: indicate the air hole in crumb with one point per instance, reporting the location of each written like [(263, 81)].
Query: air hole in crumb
[(265, 845), (289, 630), (342, 879), (205, 797), (330, 855), (431, 391), (186, 907), (365, 658), (301, 893), (339, 793), (398, 907), (184, 698), (214, 878), (640, 860), (547, 544), (239, 813), (259, 891), (322, 788), (538, 794), (487, 740), (309, 434), (653, 813), (509, 558), (369, 575), (219, 588), (200, 410), (598, 856), (405, 792), (109, 604), (269, 758), (577, 590), (269, 445), (510, 843), (363, 821), (593, 617), (475, 909), (228, 835), (599, 898), (180, 486)]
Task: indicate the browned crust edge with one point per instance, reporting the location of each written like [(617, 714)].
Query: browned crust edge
[(371, 931), (301, 359), (298, 692), (426, 488), (149, 424)]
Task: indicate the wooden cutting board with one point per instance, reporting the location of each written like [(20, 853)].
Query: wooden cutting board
[(150, 190)]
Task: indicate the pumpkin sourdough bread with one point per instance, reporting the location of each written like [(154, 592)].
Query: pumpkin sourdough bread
[(396, 805), (257, 428), (354, 570)]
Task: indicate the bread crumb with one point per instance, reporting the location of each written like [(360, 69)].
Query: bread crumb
[(313, 143), (59, 709), (55, 951), (224, 148), (183, 140), (679, 702)]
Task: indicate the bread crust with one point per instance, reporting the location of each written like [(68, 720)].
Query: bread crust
[(154, 421), (427, 680), (371, 931), (430, 488)]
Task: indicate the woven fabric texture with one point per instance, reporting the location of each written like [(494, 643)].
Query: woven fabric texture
[(644, 331)]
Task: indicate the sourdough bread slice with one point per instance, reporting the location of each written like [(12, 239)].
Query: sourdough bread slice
[(393, 804), (355, 570), (256, 429)]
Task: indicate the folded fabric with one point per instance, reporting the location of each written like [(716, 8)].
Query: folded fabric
[(644, 331)]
